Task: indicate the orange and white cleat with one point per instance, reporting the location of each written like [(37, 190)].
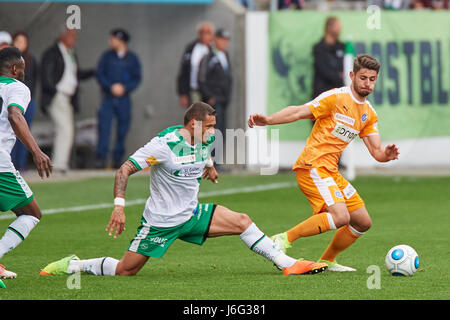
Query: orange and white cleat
[(305, 267), (5, 274)]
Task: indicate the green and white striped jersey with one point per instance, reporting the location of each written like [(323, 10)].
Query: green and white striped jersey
[(12, 93), (175, 175)]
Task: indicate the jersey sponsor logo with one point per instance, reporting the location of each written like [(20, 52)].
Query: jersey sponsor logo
[(184, 159), (159, 241), (189, 171), (343, 118), (338, 194), (344, 133), (364, 117), (349, 191)]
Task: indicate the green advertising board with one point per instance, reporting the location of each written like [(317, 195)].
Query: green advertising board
[(412, 95)]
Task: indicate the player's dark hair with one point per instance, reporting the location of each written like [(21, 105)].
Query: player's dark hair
[(9, 56), (198, 111), (367, 62)]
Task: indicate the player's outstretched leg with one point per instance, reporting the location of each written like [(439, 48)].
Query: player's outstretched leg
[(227, 222), (28, 217), (129, 265)]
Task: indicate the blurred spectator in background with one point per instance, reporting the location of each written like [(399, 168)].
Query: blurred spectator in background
[(410, 4), (290, 4), (328, 57), (118, 73), (5, 39), (60, 76), (430, 4), (394, 4), (422, 4), (214, 78), (19, 153), (187, 86)]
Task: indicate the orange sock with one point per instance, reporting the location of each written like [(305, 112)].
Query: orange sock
[(316, 224), (342, 239)]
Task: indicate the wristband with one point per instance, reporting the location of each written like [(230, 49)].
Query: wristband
[(119, 202), (209, 163)]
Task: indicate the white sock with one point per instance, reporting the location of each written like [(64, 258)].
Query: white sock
[(331, 221), (258, 242), (105, 266), (17, 231), (356, 232)]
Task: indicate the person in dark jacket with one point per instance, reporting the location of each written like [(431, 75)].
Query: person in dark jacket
[(60, 77), (187, 85), (214, 83), (328, 59), (214, 78), (118, 73), (19, 154)]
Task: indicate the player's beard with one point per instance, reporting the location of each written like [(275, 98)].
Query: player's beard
[(360, 92)]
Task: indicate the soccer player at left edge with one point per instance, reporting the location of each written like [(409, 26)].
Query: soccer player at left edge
[(15, 194)]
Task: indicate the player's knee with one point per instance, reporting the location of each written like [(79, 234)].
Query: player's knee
[(364, 225), (38, 214), (341, 219), (244, 222)]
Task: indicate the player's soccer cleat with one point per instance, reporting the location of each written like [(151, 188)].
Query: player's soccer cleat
[(5, 274), (281, 241), (305, 267), (58, 267), (336, 267)]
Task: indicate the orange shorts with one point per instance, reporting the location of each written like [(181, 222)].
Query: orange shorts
[(324, 188)]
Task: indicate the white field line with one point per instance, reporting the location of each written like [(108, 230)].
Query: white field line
[(251, 189)]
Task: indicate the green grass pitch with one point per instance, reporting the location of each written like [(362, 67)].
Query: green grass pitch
[(405, 210)]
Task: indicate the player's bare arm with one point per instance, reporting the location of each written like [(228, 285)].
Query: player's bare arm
[(286, 115), (378, 152), (22, 131), (117, 222)]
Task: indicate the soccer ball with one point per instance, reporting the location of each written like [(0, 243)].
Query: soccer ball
[(402, 260)]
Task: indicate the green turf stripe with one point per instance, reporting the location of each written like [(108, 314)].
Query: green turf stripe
[(17, 232), (254, 245)]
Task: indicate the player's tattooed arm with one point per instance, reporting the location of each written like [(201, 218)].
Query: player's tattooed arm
[(121, 180)]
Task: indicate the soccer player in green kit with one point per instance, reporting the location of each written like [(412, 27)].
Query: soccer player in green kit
[(179, 158)]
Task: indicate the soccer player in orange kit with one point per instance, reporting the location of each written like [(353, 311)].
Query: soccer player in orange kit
[(340, 114)]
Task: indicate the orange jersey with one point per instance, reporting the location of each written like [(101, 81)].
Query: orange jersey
[(339, 118)]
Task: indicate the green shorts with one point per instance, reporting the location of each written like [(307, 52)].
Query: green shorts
[(154, 241), (14, 191)]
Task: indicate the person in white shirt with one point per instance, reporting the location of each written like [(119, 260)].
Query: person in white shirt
[(215, 82), (187, 85), (15, 194), (60, 76)]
